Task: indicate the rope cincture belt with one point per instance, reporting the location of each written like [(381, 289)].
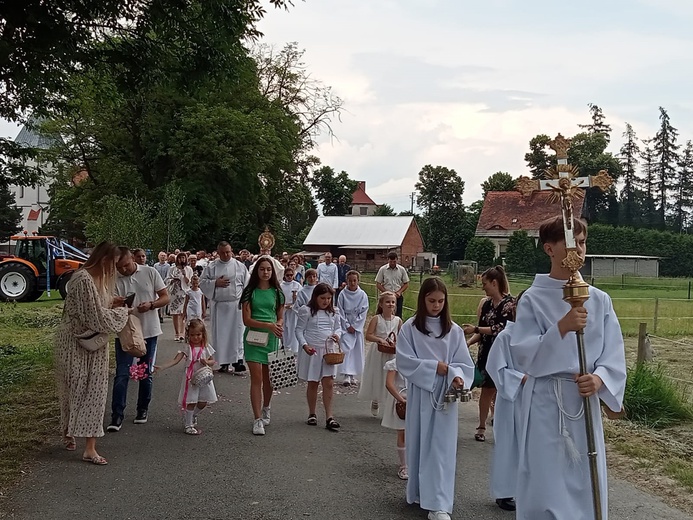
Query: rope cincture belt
[(564, 416)]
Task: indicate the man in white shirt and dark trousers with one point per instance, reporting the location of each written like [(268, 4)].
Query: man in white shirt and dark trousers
[(393, 277), (328, 272), (150, 294)]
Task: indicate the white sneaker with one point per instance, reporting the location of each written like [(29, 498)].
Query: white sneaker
[(266, 415), (374, 408), (438, 515), (258, 427)]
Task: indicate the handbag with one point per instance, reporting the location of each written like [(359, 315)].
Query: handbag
[(257, 338), (132, 339), (283, 372), (202, 376), (401, 409), (478, 378), (92, 341)]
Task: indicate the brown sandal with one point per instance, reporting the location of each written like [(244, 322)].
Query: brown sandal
[(480, 436)]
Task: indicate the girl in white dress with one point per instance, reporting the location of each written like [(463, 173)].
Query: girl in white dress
[(195, 307), (383, 325), (318, 322), (192, 398), (396, 393), (353, 307), (290, 288)]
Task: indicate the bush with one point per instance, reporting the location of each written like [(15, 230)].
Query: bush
[(653, 399), (481, 250)]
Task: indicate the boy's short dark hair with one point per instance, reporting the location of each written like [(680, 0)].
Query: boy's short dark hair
[(392, 256), (551, 230)]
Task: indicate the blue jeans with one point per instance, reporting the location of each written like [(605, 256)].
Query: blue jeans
[(122, 377)]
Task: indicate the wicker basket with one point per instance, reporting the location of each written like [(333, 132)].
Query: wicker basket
[(333, 358), (391, 344)]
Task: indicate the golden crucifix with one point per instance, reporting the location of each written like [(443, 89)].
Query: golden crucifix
[(564, 184)]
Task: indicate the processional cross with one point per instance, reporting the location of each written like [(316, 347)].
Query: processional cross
[(565, 185)]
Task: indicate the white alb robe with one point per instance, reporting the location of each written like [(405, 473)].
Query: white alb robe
[(226, 316), (304, 297), (353, 306), (553, 472), (290, 314), (431, 424), (506, 416), (278, 267)]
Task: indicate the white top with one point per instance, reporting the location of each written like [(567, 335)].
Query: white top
[(304, 295), (145, 283), (288, 288), (234, 271), (314, 330), (328, 273), (194, 309), (181, 274), (392, 278)]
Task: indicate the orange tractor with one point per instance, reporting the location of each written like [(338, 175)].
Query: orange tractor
[(39, 263)]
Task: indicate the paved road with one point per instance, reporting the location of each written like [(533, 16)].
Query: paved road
[(294, 472)]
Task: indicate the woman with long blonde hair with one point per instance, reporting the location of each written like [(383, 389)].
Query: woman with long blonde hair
[(82, 375)]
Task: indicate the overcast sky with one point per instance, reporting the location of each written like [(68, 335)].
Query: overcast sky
[(467, 84)]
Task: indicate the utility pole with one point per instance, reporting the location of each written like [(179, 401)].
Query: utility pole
[(413, 193)]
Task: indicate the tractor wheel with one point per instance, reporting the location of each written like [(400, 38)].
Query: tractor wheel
[(62, 284), (17, 283)]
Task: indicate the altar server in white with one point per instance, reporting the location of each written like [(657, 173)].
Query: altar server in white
[(506, 419), (307, 291), (222, 282), (432, 356), (553, 474), (353, 306), (290, 288)]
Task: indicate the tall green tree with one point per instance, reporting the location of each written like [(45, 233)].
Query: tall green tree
[(666, 156), (499, 181), (629, 157), (10, 214), (439, 194), (597, 124), (538, 158), (683, 191), (648, 185), (520, 255), (482, 251), (334, 190)]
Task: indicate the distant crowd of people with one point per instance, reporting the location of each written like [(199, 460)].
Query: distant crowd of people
[(411, 373)]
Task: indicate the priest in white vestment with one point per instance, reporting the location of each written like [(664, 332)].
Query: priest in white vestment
[(222, 282), (553, 473)]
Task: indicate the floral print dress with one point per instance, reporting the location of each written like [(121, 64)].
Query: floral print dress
[(82, 376), (496, 318)]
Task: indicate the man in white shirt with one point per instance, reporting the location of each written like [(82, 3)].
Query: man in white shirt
[(162, 268), (328, 272), (150, 294), (393, 277)]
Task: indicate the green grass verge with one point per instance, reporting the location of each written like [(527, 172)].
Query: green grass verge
[(28, 402), (653, 399)]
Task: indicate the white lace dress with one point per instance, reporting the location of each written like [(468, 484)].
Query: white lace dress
[(207, 393), (390, 417), (373, 380)]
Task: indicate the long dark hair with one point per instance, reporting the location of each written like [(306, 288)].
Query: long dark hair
[(255, 281), (497, 273), (320, 289), (430, 285)]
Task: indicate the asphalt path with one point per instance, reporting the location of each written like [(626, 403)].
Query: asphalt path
[(294, 472)]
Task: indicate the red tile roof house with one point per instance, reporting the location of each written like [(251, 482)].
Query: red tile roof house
[(505, 212), (361, 203)]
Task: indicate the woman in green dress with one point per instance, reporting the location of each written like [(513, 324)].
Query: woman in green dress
[(262, 303)]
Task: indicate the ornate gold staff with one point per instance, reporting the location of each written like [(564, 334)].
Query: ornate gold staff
[(564, 186)]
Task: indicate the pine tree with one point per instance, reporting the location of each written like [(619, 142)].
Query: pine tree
[(10, 214), (666, 158), (630, 152), (648, 184), (597, 126), (683, 188)]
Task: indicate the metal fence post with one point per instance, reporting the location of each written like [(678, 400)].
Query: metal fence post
[(689, 289), (642, 334), (656, 314)]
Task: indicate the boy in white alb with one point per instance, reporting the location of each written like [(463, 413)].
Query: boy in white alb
[(195, 307), (290, 288), (553, 475)]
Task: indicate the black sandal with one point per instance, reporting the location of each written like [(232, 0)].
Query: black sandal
[(332, 425), (312, 420), (480, 436)]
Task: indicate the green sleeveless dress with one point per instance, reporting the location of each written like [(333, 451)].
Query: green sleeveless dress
[(263, 307)]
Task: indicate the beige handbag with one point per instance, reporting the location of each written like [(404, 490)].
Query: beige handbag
[(92, 341), (257, 338), (131, 338)]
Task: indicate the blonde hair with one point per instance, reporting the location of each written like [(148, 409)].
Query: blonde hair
[(381, 299), (197, 325), (101, 265)]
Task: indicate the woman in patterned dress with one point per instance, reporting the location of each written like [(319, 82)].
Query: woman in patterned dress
[(178, 284), (495, 313), (82, 374)]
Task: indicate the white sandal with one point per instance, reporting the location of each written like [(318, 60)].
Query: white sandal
[(191, 430)]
